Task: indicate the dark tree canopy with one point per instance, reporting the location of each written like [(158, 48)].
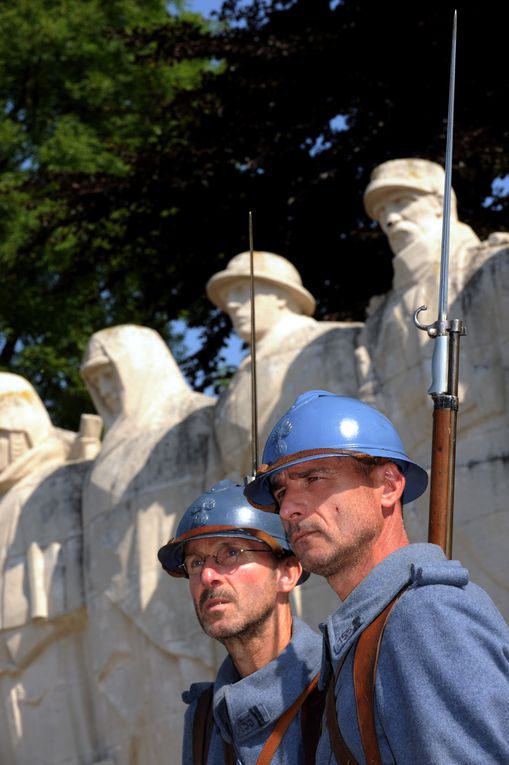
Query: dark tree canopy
[(132, 153)]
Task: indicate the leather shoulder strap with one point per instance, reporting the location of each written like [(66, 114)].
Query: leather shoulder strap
[(310, 723), (202, 727), (342, 754), (365, 663), (283, 723)]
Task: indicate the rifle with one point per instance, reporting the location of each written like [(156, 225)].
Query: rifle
[(445, 364)]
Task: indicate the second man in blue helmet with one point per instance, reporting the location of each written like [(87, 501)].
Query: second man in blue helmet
[(416, 656), (264, 705)]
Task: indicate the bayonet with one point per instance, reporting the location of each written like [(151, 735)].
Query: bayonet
[(445, 362)]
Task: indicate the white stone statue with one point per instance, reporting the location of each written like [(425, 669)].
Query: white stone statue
[(405, 196), (46, 714), (157, 455), (294, 353)]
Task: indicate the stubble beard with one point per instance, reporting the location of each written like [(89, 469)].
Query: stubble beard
[(243, 629), (335, 560)]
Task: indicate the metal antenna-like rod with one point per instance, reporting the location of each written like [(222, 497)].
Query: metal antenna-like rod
[(254, 397)]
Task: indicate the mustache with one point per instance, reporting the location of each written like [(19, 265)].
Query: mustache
[(292, 529), (213, 594)]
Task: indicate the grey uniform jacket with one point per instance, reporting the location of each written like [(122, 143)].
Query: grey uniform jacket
[(246, 709), (442, 684)]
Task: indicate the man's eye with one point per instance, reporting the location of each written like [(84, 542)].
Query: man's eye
[(279, 494), (194, 563), (232, 552)]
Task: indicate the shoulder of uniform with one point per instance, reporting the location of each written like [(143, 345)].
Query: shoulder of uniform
[(446, 572), (195, 691)]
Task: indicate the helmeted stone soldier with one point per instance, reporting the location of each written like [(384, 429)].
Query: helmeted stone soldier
[(406, 197)]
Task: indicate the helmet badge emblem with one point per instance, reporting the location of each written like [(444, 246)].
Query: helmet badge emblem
[(199, 511), (279, 435)]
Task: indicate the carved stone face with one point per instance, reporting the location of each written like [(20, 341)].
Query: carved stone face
[(407, 217), (103, 378), (270, 304)]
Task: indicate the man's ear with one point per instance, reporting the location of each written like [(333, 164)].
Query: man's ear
[(393, 484), (290, 572)]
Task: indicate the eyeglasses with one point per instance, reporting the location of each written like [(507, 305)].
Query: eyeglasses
[(227, 560)]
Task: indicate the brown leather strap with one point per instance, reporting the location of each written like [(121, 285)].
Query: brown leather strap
[(283, 723), (342, 754), (203, 721), (229, 754), (364, 673), (202, 727), (311, 714)]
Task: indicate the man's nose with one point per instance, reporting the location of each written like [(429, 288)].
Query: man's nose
[(209, 574), (291, 505)]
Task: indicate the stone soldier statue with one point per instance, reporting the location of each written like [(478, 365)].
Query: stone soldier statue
[(405, 196), (46, 715), (158, 454), (294, 351)]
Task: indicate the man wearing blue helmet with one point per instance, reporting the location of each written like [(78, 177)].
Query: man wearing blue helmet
[(264, 705), (416, 658)]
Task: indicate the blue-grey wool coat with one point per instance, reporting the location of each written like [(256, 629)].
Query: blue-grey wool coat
[(246, 709), (442, 685)]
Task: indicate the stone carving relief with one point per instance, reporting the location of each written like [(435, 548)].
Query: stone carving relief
[(405, 196), (158, 454), (46, 715)]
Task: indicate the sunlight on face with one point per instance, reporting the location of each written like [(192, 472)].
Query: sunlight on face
[(270, 304), (407, 217)]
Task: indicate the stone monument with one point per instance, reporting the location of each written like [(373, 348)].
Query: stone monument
[(157, 456), (46, 714), (405, 196)]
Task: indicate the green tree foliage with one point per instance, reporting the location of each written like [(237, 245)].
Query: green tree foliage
[(79, 104), (135, 144)]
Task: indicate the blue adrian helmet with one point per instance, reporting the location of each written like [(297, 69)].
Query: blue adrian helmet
[(223, 512), (321, 424)]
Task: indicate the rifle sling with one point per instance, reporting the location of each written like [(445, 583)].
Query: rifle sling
[(367, 651), (202, 727)]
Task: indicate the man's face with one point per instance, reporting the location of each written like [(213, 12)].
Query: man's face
[(103, 378), (407, 217), (331, 512), (233, 603), (269, 304)]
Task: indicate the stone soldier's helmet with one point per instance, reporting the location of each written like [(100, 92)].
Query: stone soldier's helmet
[(269, 268), (321, 424), (416, 175), (224, 512)]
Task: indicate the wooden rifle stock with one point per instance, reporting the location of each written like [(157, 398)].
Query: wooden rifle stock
[(443, 448)]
